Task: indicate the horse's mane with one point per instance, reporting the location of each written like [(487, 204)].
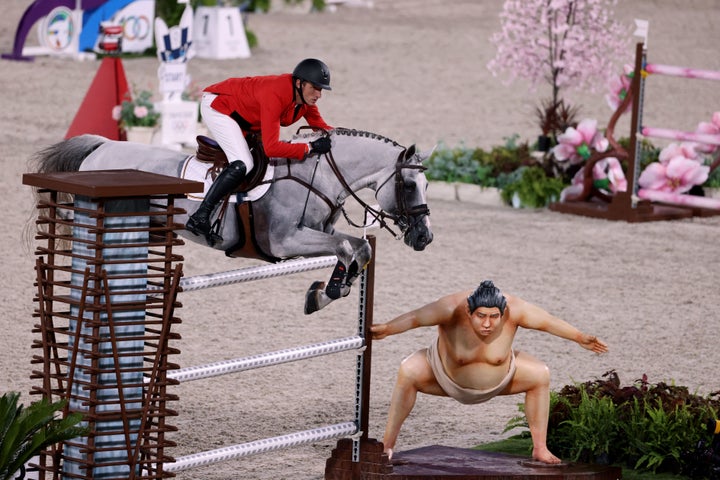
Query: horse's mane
[(348, 132)]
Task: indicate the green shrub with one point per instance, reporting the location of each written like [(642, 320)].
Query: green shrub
[(591, 428), (477, 166), (531, 187), (459, 164), (653, 427)]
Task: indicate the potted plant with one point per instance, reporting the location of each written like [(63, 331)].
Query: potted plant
[(25, 432), (137, 116)]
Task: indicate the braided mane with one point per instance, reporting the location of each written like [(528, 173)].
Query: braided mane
[(360, 133), (348, 132)]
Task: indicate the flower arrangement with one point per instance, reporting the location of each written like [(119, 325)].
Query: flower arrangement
[(137, 110)]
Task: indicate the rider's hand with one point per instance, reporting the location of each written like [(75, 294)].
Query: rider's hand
[(320, 146)]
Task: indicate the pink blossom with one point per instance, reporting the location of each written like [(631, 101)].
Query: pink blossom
[(611, 169), (116, 111), (685, 149), (678, 175), (576, 144), (607, 175), (140, 111), (712, 128), (620, 88), (568, 43)]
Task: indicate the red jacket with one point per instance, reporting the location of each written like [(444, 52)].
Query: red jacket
[(263, 104)]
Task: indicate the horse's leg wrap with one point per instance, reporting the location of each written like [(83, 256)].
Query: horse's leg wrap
[(337, 279), (226, 183), (352, 273)]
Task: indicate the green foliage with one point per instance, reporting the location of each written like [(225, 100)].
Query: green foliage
[(459, 164), (477, 166), (651, 427), (531, 187), (24, 432), (138, 110), (658, 436), (649, 153), (591, 428), (521, 444), (713, 180)]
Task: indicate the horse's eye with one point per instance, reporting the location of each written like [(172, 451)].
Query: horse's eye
[(410, 187)]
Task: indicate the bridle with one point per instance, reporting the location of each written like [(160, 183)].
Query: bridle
[(405, 218)]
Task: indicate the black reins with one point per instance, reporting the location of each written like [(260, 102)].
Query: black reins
[(404, 216)]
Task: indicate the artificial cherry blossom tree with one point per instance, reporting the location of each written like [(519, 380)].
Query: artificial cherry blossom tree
[(570, 44)]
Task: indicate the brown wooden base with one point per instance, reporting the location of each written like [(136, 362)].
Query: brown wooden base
[(438, 462), (621, 209)]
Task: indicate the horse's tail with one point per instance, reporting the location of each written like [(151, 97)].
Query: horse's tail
[(68, 155), (65, 156)]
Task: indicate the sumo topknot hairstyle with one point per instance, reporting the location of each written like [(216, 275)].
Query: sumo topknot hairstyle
[(487, 295)]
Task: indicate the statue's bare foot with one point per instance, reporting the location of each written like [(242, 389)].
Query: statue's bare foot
[(544, 455)]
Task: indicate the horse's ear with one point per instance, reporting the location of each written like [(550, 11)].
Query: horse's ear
[(426, 155), (410, 152)]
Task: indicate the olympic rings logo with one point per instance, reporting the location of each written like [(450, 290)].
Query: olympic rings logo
[(135, 27)]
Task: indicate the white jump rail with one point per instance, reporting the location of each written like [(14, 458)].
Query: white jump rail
[(261, 446), (267, 359), (249, 274)]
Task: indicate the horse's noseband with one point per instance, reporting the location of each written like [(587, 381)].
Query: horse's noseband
[(406, 216)]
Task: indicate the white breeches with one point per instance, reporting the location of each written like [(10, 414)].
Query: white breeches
[(226, 132)]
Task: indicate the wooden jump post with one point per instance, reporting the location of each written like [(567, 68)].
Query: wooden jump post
[(629, 205), (107, 282)]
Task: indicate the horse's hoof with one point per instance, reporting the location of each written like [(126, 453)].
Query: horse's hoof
[(312, 297)]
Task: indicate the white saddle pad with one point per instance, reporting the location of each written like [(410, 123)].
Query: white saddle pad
[(197, 171)]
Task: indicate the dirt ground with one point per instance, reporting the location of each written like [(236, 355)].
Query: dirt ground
[(414, 71)]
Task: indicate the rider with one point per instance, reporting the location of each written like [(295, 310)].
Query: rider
[(236, 106)]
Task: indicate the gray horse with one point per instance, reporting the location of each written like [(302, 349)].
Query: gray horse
[(295, 216)]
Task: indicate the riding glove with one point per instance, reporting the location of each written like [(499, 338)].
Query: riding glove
[(320, 146)]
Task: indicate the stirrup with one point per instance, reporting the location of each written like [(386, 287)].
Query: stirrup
[(213, 234)]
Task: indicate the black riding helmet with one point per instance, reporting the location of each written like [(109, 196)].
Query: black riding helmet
[(314, 71)]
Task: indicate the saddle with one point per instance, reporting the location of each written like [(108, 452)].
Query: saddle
[(209, 152)]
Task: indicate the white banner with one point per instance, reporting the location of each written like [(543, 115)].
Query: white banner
[(179, 122)]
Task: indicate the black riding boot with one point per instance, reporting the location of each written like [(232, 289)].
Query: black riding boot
[(225, 183)]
